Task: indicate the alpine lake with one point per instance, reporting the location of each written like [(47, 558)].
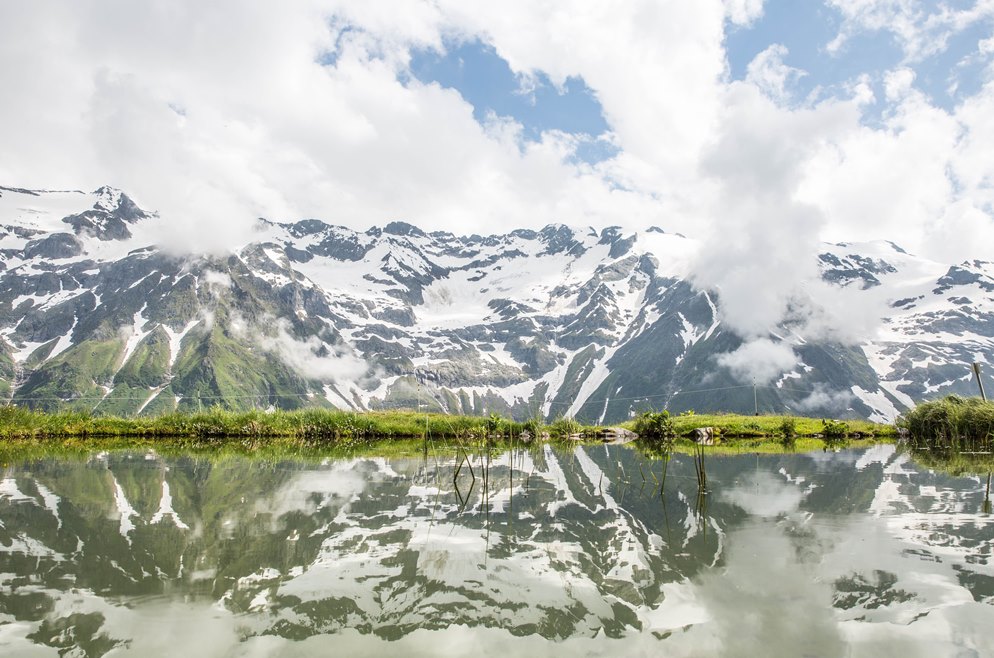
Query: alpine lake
[(544, 549)]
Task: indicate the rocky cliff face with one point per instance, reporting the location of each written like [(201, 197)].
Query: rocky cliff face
[(596, 324)]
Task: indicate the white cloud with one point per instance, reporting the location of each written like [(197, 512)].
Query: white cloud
[(744, 12), (213, 278), (823, 399), (661, 114), (763, 494), (311, 358), (963, 232), (898, 84), (215, 116), (752, 254), (760, 360), (919, 30), (768, 72), (922, 171)]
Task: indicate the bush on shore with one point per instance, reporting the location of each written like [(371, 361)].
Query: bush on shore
[(952, 422), (654, 425)]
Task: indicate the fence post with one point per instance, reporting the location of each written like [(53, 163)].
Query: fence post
[(980, 382)]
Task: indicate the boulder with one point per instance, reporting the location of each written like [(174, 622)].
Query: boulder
[(617, 435), (706, 436)]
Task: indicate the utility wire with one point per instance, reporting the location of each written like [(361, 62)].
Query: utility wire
[(109, 398), (661, 395)]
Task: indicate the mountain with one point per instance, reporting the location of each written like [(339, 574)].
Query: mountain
[(559, 321)]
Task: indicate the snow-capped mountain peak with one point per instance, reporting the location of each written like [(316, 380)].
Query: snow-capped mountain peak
[(555, 321)]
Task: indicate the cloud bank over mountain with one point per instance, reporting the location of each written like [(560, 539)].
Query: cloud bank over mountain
[(225, 113)]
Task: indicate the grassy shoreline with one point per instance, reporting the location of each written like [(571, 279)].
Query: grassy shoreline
[(341, 427), (741, 427)]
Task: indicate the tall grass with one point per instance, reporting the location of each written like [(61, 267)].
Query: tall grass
[(953, 422), (565, 427)]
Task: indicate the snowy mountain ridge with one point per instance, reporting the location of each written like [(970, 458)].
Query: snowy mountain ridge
[(557, 321)]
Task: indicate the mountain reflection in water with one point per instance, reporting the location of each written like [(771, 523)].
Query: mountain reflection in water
[(578, 551)]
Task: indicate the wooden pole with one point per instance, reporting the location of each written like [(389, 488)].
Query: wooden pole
[(980, 382)]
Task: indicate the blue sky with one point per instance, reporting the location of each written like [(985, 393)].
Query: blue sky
[(486, 81), (807, 28)]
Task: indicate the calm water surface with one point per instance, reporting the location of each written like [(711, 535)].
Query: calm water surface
[(585, 551)]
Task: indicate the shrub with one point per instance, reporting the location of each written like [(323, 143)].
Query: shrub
[(654, 425), (495, 424), (834, 430), (788, 430)]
